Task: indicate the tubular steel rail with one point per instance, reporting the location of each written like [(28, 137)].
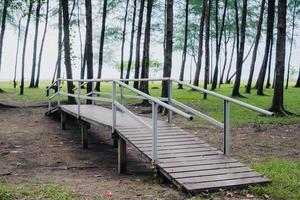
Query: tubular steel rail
[(155, 101)]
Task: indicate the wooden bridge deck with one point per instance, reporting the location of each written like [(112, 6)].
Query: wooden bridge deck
[(189, 162)]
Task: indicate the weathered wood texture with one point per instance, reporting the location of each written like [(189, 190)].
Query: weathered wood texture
[(189, 162)]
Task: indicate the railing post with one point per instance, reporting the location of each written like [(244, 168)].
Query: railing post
[(58, 91), (113, 105), (93, 101), (226, 127), (78, 100), (122, 95), (170, 94), (154, 133)]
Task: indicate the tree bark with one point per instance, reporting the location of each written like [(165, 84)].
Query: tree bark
[(123, 39), (298, 80), (3, 26), (144, 86), (37, 81), (167, 70), (59, 46), (138, 44), (89, 45), (240, 56), (257, 40), (37, 23), (200, 45), (186, 31), (231, 59), (291, 45), (218, 43), (270, 27), (207, 56), (101, 46), (226, 40), (24, 47), (68, 64), (277, 103), (268, 84), (131, 41), (17, 52), (82, 52)]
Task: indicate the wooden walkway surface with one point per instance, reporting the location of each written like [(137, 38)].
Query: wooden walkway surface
[(189, 162)]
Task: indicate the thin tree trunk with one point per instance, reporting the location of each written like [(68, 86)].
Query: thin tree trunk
[(37, 23), (123, 39), (240, 57), (277, 103), (218, 44), (60, 42), (3, 26), (231, 60), (200, 45), (67, 53), (270, 64), (138, 44), (207, 56), (24, 48), (131, 41), (144, 86), (80, 42), (36, 85), (167, 70), (17, 52), (186, 31), (270, 27), (226, 40), (101, 45), (291, 45), (298, 80), (257, 39), (89, 45)]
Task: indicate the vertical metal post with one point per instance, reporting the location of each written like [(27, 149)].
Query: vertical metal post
[(114, 90), (58, 91), (78, 100), (154, 133), (122, 95), (49, 100), (93, 102), (170, 94), (226, 127)]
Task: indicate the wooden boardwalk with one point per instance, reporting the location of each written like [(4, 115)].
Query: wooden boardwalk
[(189, 162)]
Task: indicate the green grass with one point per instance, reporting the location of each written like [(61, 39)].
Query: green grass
[(10, 191), (212, 107)]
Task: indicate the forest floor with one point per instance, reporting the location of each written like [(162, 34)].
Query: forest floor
[(38, 160)]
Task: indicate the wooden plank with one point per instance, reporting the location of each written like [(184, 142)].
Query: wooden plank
[(197, 162), (159, 137), (196, 149), (166, 141), (121, 156), (160, 144), (188, 154), (190, 146), (209, 172), (219, 177), (203, 167), (192, 158), (225, 184), (148, 132)]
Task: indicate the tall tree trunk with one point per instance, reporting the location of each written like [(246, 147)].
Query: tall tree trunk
[(144, 86), (257, 39), (80, 42), (270, 27), (17, 52), (123, 39), (37, 23), (200, 45), (138, 44), (60, 42), (3, 26), (240, 57), (218, 43), (226, 40), (36, 85), (167, 70), (277, 103), (89, 45), (186, 31), (67, 53), (207, 35), (268, 84), (24, 47), (231, 59), (298, 80), (291, 45), (101, 47), (131, 41)]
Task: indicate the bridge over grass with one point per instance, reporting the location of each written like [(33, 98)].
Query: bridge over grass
[(187, 161)]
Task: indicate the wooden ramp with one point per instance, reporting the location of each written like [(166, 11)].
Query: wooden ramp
[(189, 162)]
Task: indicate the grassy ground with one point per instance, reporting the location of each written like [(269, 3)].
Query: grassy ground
[(284, 173)]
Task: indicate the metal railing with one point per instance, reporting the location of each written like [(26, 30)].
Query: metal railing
[(166, 102)]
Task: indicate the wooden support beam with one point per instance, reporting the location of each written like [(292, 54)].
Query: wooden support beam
[(84, 134), (121, 156), (115, 136), (63, 120)]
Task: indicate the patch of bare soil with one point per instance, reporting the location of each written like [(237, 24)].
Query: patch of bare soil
[(33, 149)]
